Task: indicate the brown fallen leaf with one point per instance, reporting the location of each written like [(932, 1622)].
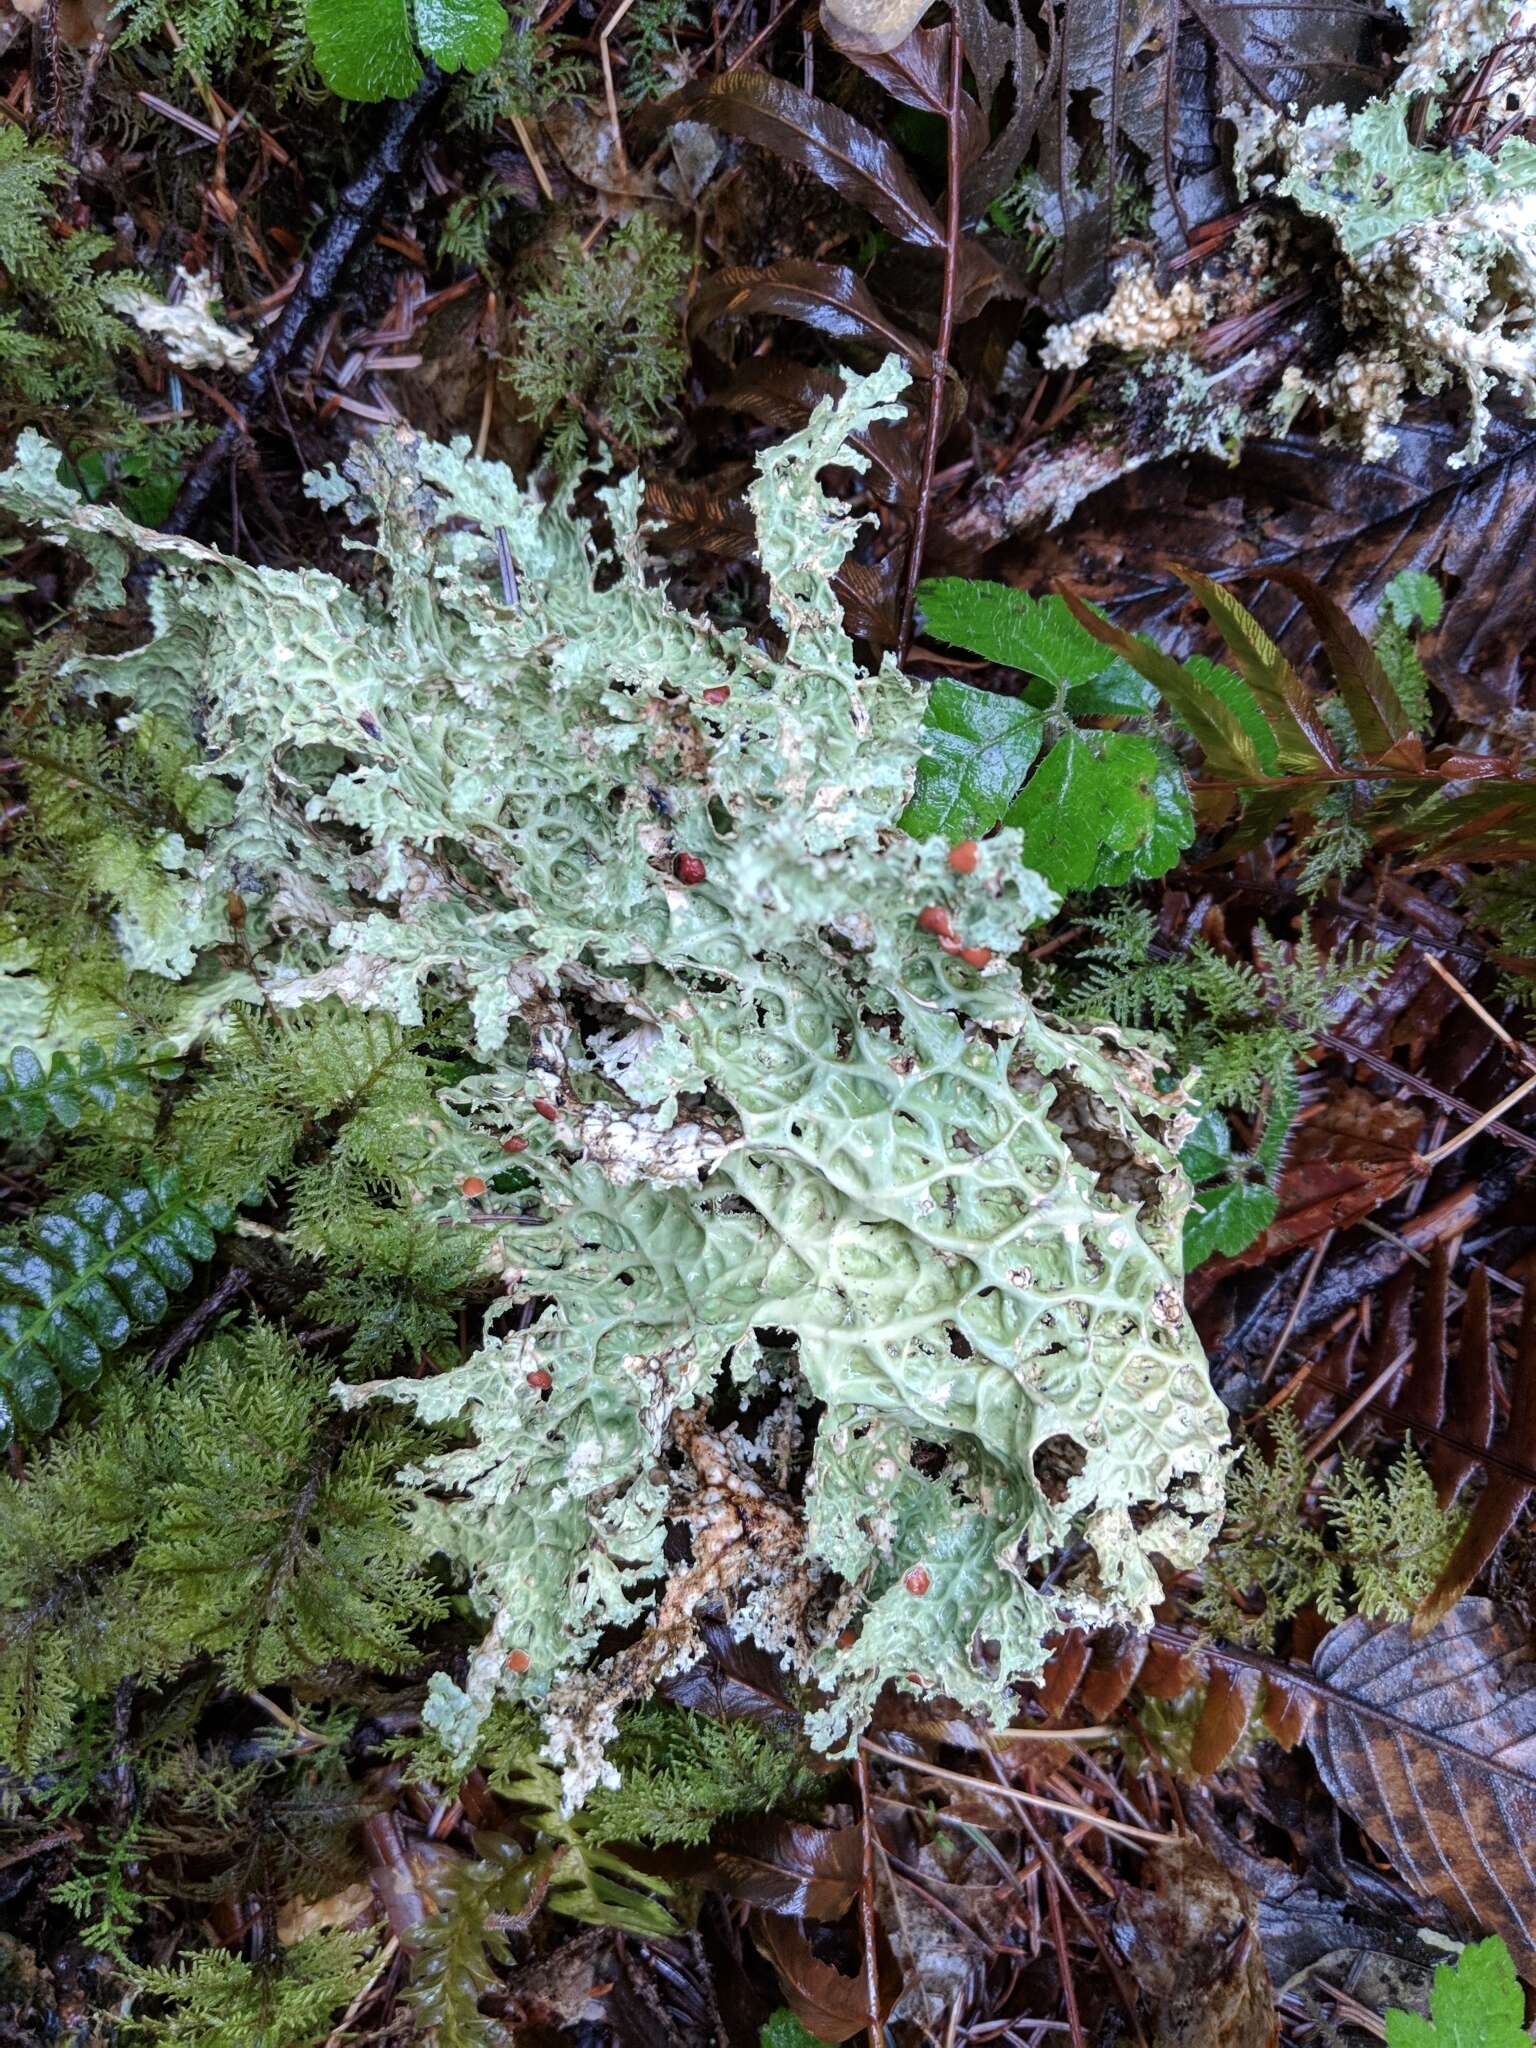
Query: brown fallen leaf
[(779, 1866), (1430, 1744), (828, 2004), (872, 27), (739, 1682)]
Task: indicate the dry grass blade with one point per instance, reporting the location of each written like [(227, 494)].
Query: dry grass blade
[(1430, 1744), (1506, 1491)]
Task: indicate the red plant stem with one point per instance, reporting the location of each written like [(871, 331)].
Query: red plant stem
[(868, 1928), (940, 367)]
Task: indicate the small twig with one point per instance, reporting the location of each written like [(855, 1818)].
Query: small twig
[(1362, 1401), (1297, 1305), (868, 1925), (45, 65), (535, 162), (191, 1327), (606, 57), (386, 1956), (939, 368), (1054, 1882), (1415, 1084), (80, 120), (763, 34), (1090, 1925), (1521, 1052)]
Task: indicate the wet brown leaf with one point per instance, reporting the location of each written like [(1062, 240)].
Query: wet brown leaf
[(1349, 525), (1229, 1697), (831, 2006), (1431, 1745), (779, 1866), (690, 515), (853, 160), (870, 27), (1508, 1489), (784, 393), (738, 1682), (916, 72), (827, 296)]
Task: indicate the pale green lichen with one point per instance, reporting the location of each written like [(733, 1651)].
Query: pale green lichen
[(796, 1190)]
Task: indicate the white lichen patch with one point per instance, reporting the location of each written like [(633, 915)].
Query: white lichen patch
[(1437, 262), (1138, 316), (187, 330)]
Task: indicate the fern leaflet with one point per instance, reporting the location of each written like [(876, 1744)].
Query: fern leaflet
[(33, 1096), (90, 1274)]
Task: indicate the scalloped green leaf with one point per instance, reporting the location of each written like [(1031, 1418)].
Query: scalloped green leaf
[(978, 747)]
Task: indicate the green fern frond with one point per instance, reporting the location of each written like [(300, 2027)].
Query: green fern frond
[(1412, 600), (215, 1999), (279, 1533), (455, 1951), (590, 1882), (1373, 1547), (65, 1090), (232, 1512), (90, 1274), (357, 1074), (681, 1774), (604, 333)]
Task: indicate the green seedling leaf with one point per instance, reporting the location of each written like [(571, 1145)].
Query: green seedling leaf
[(1147, 819), (1226, 1218), (979, 746), (461, 35), (368, 49), (1475, 2003), (1235, 1196), (1038, 635), (1412, 596), (364, 49), (1118, 693), (1103, 808)]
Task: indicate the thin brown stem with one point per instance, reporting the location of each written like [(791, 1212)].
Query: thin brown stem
[(868, 1926), (940, 364)]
